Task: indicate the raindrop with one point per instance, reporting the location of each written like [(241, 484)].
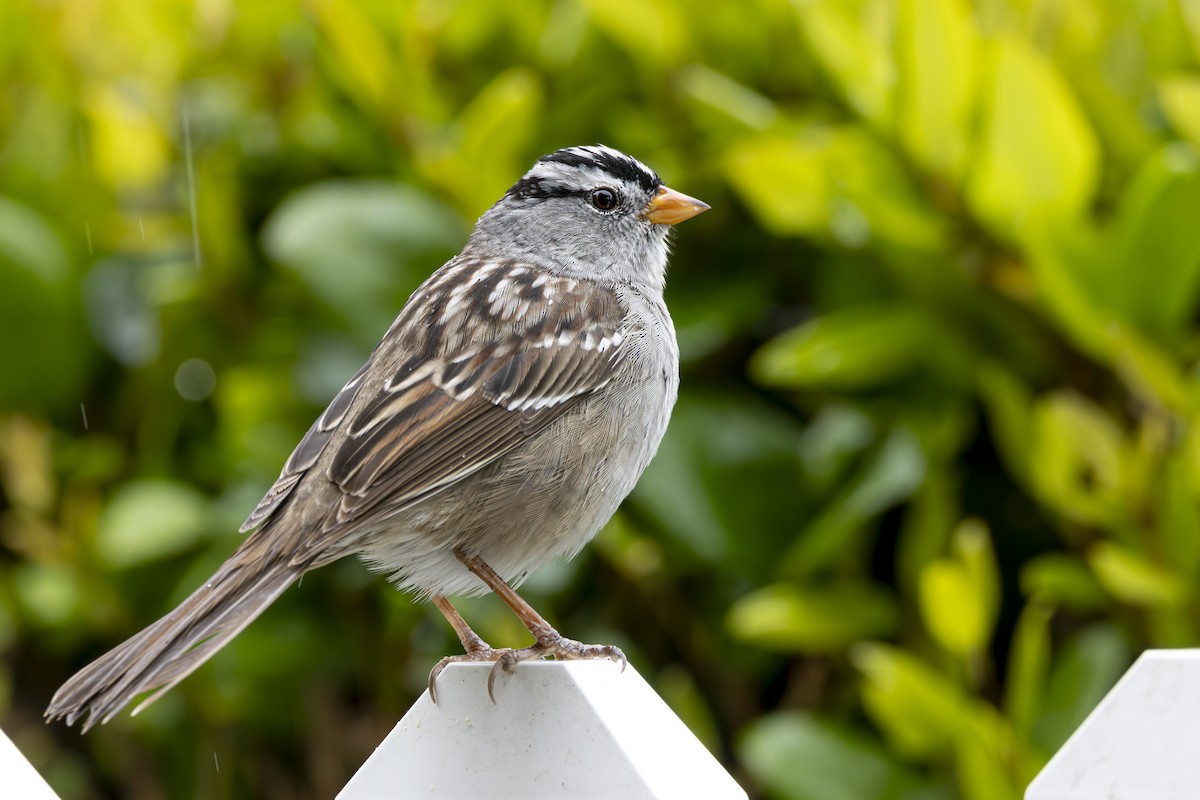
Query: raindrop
[(195, 380)]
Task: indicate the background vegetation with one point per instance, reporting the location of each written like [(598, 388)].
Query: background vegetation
[(932, 481)]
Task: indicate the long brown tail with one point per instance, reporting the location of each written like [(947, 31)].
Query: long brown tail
[(169, 650)]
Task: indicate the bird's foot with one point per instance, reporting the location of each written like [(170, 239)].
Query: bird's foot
[(482, 652), (549, 645), (552, 644)]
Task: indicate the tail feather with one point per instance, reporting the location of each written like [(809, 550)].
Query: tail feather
[(170, 649)]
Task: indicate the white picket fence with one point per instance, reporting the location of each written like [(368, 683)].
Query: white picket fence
[(585, 729), (578, 729), (1141, 743)]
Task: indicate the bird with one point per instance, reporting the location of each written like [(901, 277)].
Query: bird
[(511, 406)]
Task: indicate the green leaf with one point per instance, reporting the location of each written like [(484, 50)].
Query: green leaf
[(960, 596), (1063, 579), (1085, 669), (921, 712), (1130, 578), (1082, 462), (40, 310), (1155, 235), (802, 757), (734, 100), (496, 127), (1029, 660), (149, 520), (1065, 262), (361, 246), (953, 611), (1178, 518), (813, 619), (49, 594), (1180, 98), (929, 520), (850, 349), (797, 198), (713, 487), (836, 182), (1060, 256), (985, 764), (1038, 159), (1152, 375), (925, 716), (1191, 23), (837, 435), (360, 53), (972, 546), (1009, 405), (855, 51), (936, 53), (876, 202), (892, 475), (651, 30)]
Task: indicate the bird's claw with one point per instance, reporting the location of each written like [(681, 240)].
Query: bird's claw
[(484, 653), (553, 645)]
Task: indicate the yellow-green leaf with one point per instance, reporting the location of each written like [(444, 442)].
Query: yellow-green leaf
[(1082, 460), (920, 711), (936, 47), (960, 595), (648, 29), (1038, 159), (1131, 578), (494, 128), (1028, 665), (148, 520), (952, 608), (861, 346), (796, 198), (1064, 580), (1155, 235), (854, 48), (809, 619), (1180, 98)]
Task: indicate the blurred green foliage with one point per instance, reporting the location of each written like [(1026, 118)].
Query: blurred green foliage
[(933, 477)]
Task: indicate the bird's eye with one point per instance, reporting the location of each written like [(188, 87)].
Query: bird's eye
[(604, 199)]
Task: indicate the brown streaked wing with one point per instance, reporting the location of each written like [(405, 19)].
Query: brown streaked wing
[(462, 413)]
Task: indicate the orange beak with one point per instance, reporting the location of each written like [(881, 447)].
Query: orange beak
[(670, 207)]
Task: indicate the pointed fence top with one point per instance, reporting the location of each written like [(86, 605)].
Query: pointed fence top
[(579, 729), (17, 775), (1140, 742)]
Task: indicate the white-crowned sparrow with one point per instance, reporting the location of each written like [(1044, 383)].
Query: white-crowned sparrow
[(509, 409)]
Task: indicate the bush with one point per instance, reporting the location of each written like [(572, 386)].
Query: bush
[(931, 483)]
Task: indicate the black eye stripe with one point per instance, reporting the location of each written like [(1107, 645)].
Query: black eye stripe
[(540, 189)]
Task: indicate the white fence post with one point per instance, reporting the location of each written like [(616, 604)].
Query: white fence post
[(579, 729), (18, 778), (1142, 741)]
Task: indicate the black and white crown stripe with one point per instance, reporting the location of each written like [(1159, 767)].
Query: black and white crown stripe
[(574, 170)]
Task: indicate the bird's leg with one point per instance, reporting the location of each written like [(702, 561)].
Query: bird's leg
[(477, 649), (548, 641), (471, 640)]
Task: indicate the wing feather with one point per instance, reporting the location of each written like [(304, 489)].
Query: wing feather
[(438, 402)]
